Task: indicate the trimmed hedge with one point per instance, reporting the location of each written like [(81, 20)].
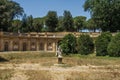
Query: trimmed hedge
[(85, 44), (68, 44), (114, 46), (102, 42)]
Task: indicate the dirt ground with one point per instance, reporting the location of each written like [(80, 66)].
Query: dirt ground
[(57, 72)]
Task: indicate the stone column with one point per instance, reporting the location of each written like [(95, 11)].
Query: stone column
[(45, 45), (37, 44), (11, 45), (54, 46)]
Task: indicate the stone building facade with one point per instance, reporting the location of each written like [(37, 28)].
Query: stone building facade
[(46, 41)]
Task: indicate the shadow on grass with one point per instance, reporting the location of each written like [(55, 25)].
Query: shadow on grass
[(3, 60)]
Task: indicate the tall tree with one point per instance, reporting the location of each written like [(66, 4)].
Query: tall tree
[(23, 27), (90, 25), (8, 11), (30, 23), (38, 24), (79, 22), (51, 21), (68, 23), (106, 13), (16, 24), (60, 24)]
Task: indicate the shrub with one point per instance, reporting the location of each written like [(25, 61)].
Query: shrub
[(85, 44), (68, 44), (114, 46), (102, 42)]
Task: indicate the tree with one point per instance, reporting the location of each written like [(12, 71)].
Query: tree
[(23, 27), (16, 24), (79, 22), (60, 24), (102, 42), (29, 21), (114, 46), (91, 25), (85, 44), (68, 44), (8, 11), (106, 13), (51, 21), (38, 24), (68, 24)]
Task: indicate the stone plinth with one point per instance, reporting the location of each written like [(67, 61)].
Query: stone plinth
[(60, 59)]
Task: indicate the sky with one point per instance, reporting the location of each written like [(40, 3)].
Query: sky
[(40, 8)]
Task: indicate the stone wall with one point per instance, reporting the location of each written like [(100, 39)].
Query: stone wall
[(33, 41)]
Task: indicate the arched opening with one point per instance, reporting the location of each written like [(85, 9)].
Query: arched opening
[(6, 46), (24, 46), (41, 46), (15, 46), (49, 46), (33, 46)]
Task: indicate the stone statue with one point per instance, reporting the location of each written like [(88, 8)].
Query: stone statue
[(59, 52)]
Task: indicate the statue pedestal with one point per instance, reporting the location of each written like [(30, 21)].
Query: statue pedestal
[(59, 59)]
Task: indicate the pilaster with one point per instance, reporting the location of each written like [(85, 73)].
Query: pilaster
[(37, 44), (45, 45), (11, 45)]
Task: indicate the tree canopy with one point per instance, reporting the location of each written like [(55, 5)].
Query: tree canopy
[(8, 11), (106, 13), (68, 24), (79, 22), (51, 21)]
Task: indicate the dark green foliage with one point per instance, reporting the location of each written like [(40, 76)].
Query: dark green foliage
[(51, 21), (38, 24), (79, 22), (102, 42), (91, 25), (85, 44), (114, 46), (106, 13), (9, 10), (23, 27), (68, 44), (68, 23), (29, 26), (60, 24), (16, 24)]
